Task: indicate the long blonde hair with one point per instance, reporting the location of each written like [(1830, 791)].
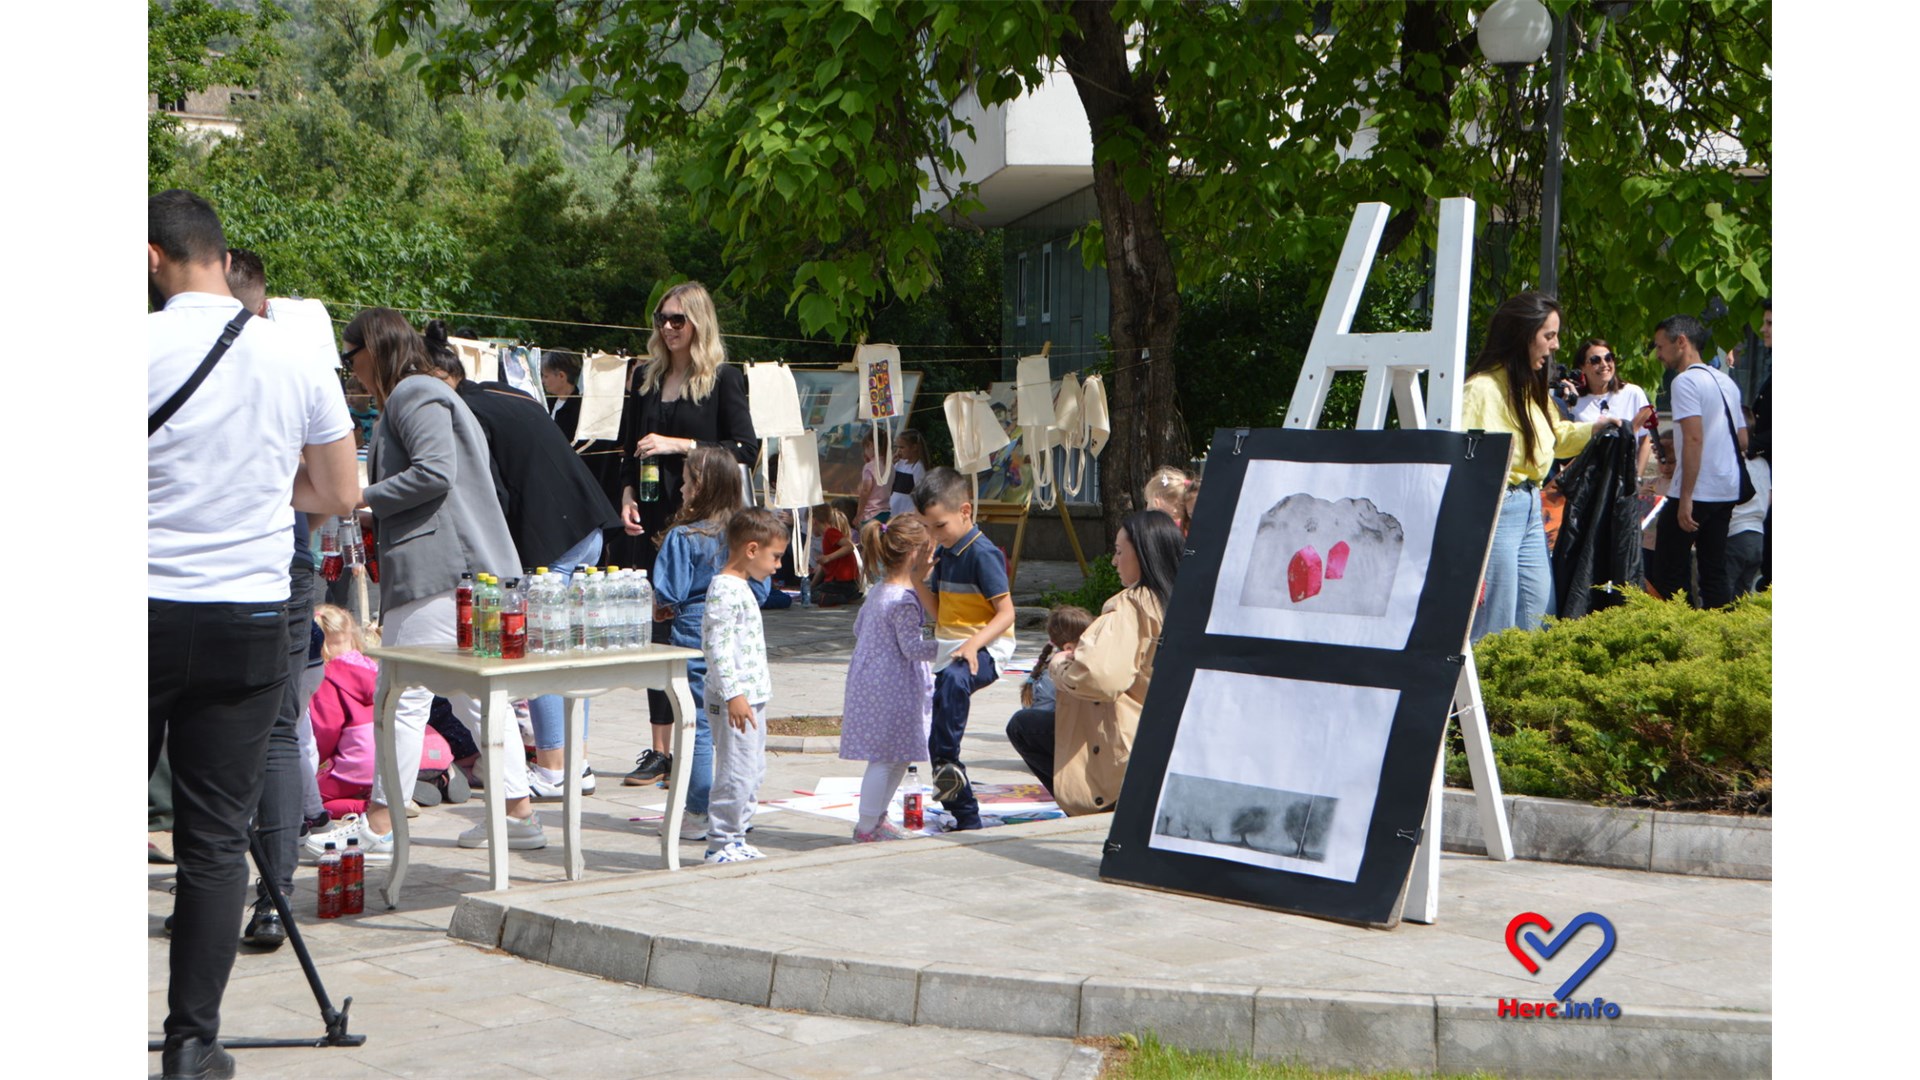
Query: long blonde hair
[(709, 349), (341, 631)]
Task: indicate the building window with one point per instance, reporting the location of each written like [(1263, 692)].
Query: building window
[(1046, 283), (1020, 291)]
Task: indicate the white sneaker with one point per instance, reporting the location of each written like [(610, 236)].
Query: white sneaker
[(377, 849), (738, 851), (522, 835), (550, 792), (694, 826)]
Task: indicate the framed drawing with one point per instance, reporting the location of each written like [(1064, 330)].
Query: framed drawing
[(829, 404), (1286, 750)]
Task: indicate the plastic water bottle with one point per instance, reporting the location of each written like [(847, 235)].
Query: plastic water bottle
[(330, 885), (577, 610), (463, 612), (912, 801), (536, 612), (353, 878), (614, 603), (632, 626), (513, 621), (643, 621), (596, 612)]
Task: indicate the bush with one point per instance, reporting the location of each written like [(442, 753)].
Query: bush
[(1651, 703), (1102, 582)]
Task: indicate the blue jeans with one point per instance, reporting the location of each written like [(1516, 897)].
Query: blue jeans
[(686, 634), (953, 689), (1519, 573), (549, 711)]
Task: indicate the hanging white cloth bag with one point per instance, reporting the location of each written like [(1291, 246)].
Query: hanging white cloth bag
[(799, 491), (1033, 408), (773, 401)]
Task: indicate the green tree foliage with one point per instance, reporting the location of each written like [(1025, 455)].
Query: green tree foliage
[(809, 161), (191, 46), (1652, 701)]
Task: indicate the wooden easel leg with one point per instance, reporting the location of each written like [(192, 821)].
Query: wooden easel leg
[(1073, 538), (1472, 712), (1019, 545)]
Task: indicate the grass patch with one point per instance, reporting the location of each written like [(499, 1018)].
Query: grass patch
[(1146, 1058), (804, 725)]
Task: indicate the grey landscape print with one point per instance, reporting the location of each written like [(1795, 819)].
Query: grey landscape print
[(1289, 823)]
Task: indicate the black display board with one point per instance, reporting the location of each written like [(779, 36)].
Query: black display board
[(1286, 748)]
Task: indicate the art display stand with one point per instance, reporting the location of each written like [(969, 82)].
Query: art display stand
[(1393, 362)]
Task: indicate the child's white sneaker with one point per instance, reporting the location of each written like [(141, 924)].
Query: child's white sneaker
[(886, 830), (738, 851)]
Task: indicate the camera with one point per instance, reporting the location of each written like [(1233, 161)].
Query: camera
[(1564, 385)]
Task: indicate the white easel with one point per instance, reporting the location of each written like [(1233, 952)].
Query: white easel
[(1397, 360)]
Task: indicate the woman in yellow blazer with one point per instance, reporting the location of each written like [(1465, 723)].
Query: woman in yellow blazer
[(1508, 382), (1100, 686)]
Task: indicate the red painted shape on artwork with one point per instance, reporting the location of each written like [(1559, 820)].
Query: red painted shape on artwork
[(1303, 574), (1337, 561)]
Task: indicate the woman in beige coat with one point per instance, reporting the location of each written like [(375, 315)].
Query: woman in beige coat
[(1102, 684)]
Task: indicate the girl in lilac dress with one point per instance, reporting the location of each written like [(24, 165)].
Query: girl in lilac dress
[(889, 702)]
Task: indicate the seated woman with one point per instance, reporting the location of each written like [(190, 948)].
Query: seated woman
[(1100, 686)]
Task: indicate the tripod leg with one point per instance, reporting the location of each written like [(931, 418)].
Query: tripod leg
[(336, 1021)]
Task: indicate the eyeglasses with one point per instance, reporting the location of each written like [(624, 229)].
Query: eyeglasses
[(347, 356), (664, 321), (1600, 358)]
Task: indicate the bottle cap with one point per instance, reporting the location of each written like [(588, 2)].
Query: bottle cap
[(329, 845), (542, 571), (353, 841), (613, 569)]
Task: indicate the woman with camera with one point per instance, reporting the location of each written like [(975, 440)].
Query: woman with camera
[(1506, 391), (1603, 394)]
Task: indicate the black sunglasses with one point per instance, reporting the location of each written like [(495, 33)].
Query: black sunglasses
[(1595, 358), (664, 321), (347, 356)]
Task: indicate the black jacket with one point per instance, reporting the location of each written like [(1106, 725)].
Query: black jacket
[(1600, 527), (721, 419), (553, 500)]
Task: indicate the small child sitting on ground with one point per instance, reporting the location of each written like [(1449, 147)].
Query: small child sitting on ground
[(738, 684), (888, 708), (836, 572)]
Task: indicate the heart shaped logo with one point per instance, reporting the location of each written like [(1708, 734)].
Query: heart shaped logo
[(1549, 948)]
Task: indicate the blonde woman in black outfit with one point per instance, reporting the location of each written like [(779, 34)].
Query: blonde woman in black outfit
[(685, 395)]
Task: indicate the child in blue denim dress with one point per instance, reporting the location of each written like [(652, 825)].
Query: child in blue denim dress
[(694, 550)]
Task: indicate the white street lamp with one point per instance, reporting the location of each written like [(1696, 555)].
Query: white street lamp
[(1515, 31)]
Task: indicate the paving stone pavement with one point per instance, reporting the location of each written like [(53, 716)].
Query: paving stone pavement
[(432, 1006)]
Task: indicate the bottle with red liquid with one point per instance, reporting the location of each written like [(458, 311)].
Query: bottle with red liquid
[(330, 561), (373, 563), (353, 878), (912, 805), (330, 883), (463, 612), (513, 621)]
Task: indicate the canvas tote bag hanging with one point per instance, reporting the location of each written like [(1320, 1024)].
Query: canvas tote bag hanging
[(1070, 431), (774, 403), (977, 436), (603, 390), (878, 399), (1093, 410), (1033, 407), (799, 490)]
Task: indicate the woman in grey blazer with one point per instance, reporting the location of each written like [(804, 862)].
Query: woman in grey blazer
[(439, 517)]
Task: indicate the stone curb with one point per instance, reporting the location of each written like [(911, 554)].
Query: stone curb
[(1667, 842), (1328, 1029), (804, 744)]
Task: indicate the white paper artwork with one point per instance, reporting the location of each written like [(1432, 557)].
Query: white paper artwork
[(1328, 552), (1280, 773)]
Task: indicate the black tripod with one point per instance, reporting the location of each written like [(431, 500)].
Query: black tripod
[(336, 1020)]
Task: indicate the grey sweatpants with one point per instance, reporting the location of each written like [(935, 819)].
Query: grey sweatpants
[(739, 764)]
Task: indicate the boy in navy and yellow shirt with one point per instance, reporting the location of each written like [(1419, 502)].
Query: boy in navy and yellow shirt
[(973, 622)]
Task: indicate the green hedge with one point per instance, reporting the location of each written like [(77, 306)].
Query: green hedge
[(1101, 583), (1651, 703)]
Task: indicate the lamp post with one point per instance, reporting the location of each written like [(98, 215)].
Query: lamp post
[(1514, 34)]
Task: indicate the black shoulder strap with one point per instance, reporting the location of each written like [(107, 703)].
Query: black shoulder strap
[(165, 412)]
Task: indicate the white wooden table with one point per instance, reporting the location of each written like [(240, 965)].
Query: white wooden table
[(496, 684)]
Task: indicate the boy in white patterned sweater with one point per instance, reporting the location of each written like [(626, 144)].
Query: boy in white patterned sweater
[(738, 682)]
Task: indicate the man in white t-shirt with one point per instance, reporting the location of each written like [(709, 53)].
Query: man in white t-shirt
[(224, 477), (1706, 480)]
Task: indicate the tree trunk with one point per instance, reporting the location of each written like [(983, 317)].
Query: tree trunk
[(1141, 284)]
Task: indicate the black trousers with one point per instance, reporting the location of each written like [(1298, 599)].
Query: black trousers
[(216, 674), (1672, 545), (1031, 732), (280, 795)]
